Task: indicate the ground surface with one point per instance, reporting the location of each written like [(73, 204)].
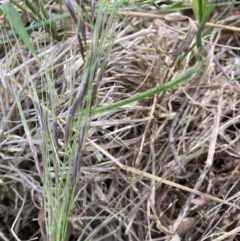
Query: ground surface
[(137, 135)]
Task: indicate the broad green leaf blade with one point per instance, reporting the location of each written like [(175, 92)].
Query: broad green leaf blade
[(195, 9), (16, 22), (199, 8)]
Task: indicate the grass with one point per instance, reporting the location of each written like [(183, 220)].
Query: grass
[(87, 105)]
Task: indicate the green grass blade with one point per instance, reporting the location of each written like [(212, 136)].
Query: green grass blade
[(42, 15), (23, 9), (38, 15), (199, 8), (149, 92), (201, 31), (235, 79), (201, 26), (15, 21)]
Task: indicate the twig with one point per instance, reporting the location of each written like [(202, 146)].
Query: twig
[(171, 137)]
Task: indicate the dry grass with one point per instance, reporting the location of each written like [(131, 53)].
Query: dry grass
[(125, 202)]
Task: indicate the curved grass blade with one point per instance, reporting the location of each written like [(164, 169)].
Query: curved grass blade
[(149, 92)]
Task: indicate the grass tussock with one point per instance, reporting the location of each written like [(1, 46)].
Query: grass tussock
[(111, 175)]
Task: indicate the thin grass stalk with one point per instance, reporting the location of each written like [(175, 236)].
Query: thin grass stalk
[(79, 155), (78, 99), (80, 27), (93, 8)]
